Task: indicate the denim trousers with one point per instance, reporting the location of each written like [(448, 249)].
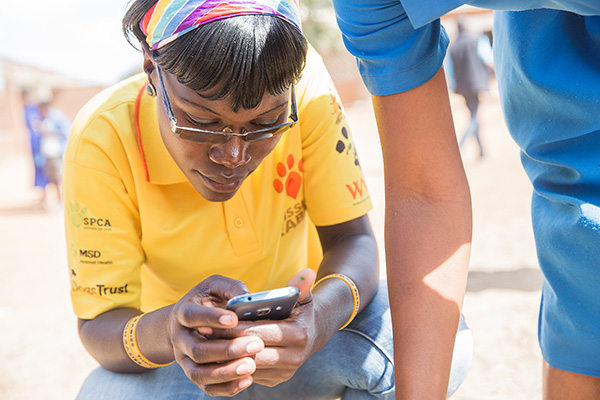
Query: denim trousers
[(356, 363)]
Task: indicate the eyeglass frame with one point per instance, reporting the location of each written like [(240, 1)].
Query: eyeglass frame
[(178, 130)]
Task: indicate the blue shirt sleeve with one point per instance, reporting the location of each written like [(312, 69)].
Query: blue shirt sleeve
[(400, 44), (581, 7), (421, 13), (392, 55)]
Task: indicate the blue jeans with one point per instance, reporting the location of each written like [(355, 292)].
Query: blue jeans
[(356, 363)]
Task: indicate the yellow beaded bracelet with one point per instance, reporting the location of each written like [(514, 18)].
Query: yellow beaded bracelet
[(353, 288), (131, 346)]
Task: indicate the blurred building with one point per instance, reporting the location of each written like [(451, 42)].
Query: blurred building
[(16, 79)]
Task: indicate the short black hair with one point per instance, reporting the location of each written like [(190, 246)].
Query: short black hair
[(239, 57)]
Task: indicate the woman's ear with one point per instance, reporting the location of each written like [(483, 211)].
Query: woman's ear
[(149, 65), (149, 68)]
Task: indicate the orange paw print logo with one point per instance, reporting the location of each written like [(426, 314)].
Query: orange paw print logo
[(293, 180)]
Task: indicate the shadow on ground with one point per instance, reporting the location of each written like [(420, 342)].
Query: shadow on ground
[(525, 279)]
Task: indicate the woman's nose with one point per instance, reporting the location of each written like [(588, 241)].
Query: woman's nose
[(232, 154)]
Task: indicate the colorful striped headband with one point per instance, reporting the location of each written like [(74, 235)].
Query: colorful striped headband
[(169, 19)]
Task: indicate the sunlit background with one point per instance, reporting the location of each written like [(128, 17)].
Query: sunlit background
[(80, 39), (83, 39)]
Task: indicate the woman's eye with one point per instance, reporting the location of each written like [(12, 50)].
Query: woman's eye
[(207, 125), (203, 123), (264, 124), (267, 123)]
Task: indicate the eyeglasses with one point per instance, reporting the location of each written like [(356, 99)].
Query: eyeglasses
[(207, 136)]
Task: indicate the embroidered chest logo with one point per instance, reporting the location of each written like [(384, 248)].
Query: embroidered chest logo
[(289, 180), (292, 217)]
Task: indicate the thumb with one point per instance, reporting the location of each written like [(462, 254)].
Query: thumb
[(303, 280)]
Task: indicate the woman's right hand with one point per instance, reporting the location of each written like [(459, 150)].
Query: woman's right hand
[(220, 367)]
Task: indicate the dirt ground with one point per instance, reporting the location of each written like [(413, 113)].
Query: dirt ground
[(42, 357)]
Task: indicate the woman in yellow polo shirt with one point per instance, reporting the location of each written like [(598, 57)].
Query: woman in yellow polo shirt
[(227, 167)]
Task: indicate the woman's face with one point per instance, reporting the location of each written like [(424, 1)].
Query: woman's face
[(217, 170)]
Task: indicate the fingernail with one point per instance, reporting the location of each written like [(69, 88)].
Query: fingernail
[(243, 369), (253, 347), (226, 319), (244, 383)]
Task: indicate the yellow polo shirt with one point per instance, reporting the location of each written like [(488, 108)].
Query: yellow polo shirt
[(139, 235)]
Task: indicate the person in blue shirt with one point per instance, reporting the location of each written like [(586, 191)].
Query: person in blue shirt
[(55, 128), (547, 62), (33, 121)]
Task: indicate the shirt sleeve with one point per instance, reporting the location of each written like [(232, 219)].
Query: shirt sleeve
[(334, 187), (581, 7), (101, 223), (394, 51), (400, 44)]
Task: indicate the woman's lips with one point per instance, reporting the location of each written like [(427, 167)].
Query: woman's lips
[(221, 187)]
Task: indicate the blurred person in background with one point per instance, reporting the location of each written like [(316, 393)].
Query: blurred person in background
[(48, 131), (54, 127), (33, 121), (471, 76)]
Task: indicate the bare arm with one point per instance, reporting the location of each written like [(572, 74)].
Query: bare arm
[(103, 338), (428, 234), (350, 249)]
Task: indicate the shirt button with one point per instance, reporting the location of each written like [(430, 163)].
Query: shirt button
[(238, 222)]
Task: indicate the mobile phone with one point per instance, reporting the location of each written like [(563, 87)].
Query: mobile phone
[(270, 304)]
